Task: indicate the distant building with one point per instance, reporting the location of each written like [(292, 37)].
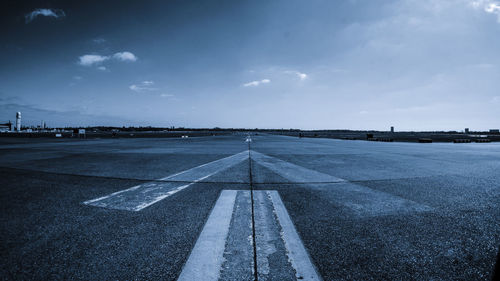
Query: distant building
[(18, 121), (5, 127), (392, 129), (495, 131), (466, 130)]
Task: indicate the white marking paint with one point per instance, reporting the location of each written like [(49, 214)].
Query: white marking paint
[(297, 254), (358, 198), (294, 173), (206, 258), (141, 196)]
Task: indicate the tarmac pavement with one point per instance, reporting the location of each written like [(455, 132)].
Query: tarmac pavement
[(273, 208)]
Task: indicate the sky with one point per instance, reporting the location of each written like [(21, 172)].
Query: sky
[(414, 64)]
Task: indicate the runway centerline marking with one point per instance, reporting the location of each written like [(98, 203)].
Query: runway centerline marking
[(273, 229), (144, 195)]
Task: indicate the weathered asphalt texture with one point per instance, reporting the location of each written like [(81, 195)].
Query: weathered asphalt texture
[(449, 230)]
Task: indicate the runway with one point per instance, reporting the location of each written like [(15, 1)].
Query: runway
[(226, 208)]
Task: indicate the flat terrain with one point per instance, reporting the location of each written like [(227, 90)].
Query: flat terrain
[(396, 136), (275, 208)]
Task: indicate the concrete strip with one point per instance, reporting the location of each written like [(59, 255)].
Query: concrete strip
[(238, 254), (141, 196), (206, 258), (273, 262)]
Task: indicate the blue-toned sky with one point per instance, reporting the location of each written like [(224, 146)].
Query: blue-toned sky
[(416, 64)]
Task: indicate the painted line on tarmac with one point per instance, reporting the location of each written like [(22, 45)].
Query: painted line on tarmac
[(280, 253), (141, 196), (297, 254), (362, 200), (292, 172), (207, 256)]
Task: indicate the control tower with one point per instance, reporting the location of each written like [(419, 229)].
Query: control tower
[(18, 121)]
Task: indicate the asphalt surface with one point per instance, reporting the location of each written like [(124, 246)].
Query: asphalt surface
[(363, 210)]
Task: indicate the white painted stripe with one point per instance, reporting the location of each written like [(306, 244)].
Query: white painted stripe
[(360, 199), (206, 258), (297, 254), (141, 196), (295, 173)]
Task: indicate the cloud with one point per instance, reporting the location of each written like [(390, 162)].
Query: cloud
[(253, 83), (134, 87), (56, 13), (493, 8), (125, 56), (144, 86), (103, 68), (489, 6), (99, 40), (89, 60), (302, 76), (256, 83)]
